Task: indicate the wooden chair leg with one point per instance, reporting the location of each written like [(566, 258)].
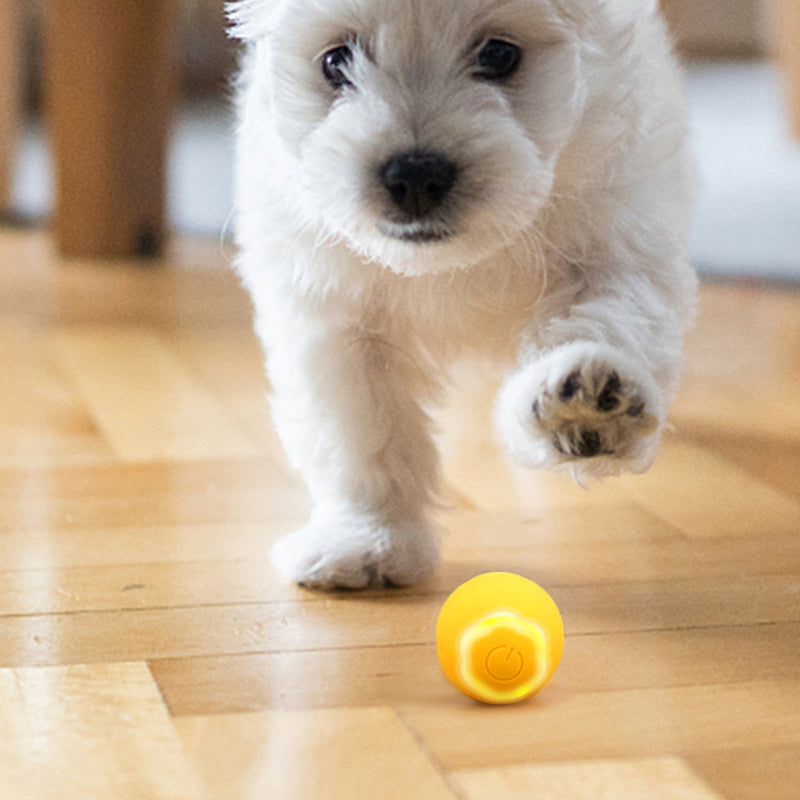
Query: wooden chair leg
[(10, 95), (109, 81)]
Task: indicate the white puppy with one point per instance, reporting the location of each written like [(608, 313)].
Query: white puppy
[(420, 179)]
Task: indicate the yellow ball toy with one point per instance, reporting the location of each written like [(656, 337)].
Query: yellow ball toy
[(499, 638)]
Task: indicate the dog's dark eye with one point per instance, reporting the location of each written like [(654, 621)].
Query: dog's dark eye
[(334, 64), (498, 59)]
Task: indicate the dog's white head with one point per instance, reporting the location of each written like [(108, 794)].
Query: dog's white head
[(424, 133)]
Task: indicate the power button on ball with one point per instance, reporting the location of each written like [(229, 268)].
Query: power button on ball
[(499, 658), (504, 663)]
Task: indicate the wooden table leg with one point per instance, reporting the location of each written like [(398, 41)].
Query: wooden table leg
[(10, 59), (787, 24), (109, 81)]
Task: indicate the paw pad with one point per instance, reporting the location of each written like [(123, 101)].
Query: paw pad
[(589, 444), (592, 412), (579, 443), (609, 397), (584, 407), (571, 387)]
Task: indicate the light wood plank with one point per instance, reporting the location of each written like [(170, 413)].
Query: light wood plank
[(563, 726), (45, 421), (705, 586), (214, 630), (137, 586), (230, 515), (775, 461), (193, 287), (745, 337), (753, 773), (89, 731), (43, 549), (115, 495), (357, 754), (698, 656), (232, 366), (716, 409), (333, 623), (652, 778), (633, 546), (705, 495), (132, 513), (409, 675), (121, 372)]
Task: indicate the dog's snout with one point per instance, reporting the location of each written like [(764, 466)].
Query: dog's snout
[(418, 182)]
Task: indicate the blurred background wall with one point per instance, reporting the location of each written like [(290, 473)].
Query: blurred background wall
[(748, 221), (703, 28)]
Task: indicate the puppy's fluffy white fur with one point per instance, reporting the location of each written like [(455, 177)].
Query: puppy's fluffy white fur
[(561, 248)]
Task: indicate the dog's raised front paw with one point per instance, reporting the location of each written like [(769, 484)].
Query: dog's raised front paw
[(583, 405), (356, 552)]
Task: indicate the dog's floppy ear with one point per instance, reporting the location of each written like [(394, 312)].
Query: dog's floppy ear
[(251, 19)]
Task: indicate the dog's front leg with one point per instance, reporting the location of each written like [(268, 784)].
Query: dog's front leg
[(347, 406), (591, 390)]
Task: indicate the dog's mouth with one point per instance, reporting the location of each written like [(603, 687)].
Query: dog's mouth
[(416, 232)]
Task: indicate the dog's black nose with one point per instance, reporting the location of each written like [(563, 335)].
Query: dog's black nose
[(418, 182)]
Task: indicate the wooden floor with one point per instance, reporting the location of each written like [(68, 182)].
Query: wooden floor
[(148, 652)]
